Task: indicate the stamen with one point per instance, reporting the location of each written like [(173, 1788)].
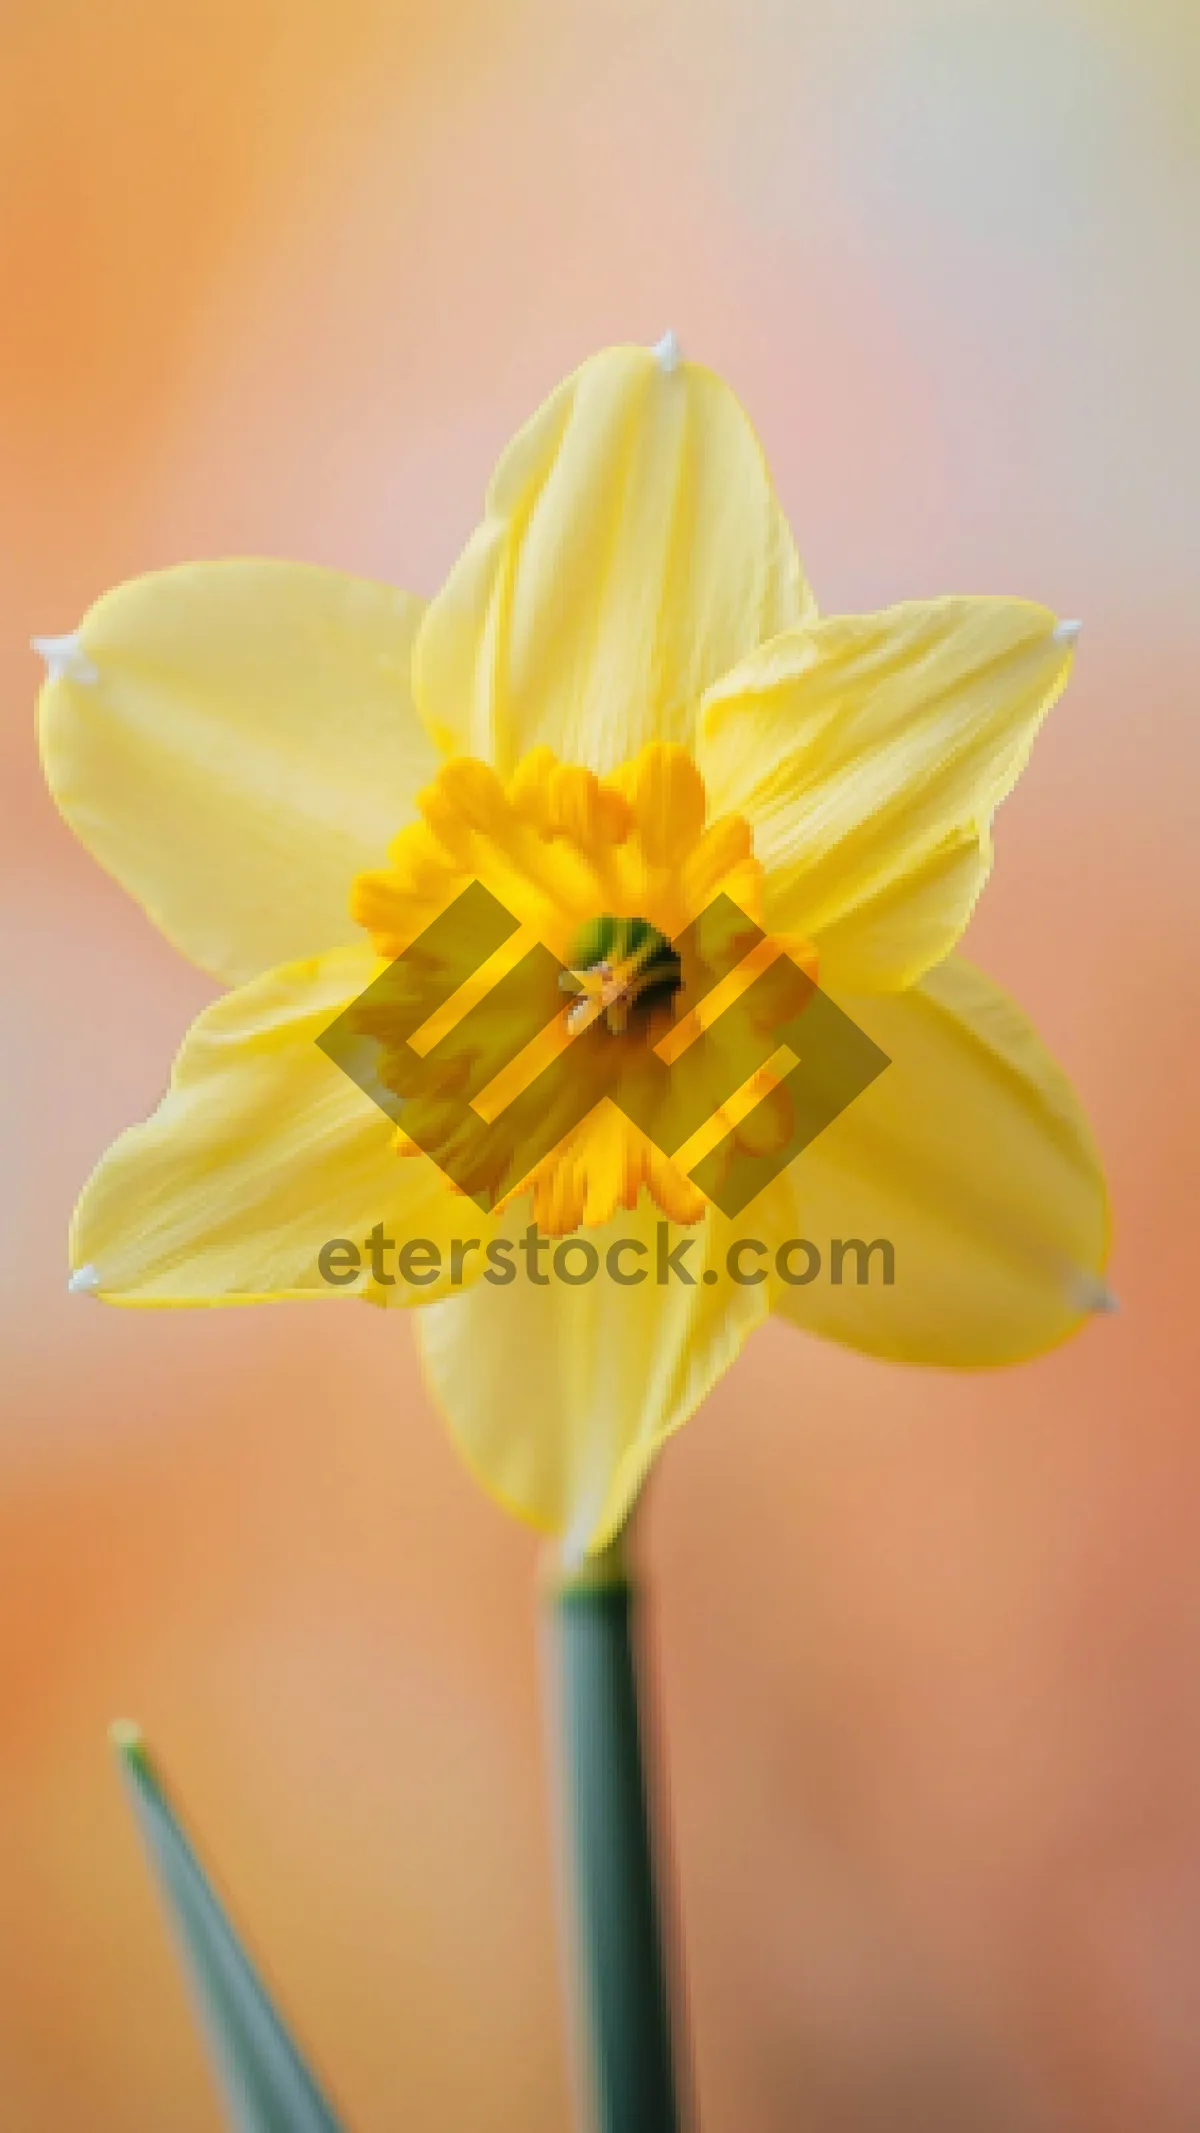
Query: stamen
[(620, 966)]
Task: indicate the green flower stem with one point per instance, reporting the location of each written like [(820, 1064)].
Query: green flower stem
[(611, 1870)]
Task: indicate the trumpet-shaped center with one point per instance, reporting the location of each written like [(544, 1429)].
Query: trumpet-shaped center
[(643, 903)]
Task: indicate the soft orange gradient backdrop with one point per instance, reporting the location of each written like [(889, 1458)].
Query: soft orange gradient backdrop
[(279, 276)]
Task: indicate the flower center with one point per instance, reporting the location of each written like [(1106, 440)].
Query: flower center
[(624, 970), (554, 845)]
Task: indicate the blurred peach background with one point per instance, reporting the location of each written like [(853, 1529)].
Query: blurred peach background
[(281, 277)]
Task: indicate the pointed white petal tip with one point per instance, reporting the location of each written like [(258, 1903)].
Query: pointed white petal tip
[(667, 353), (83, 1281), (65, 658), (1066, 632), (1090, 1292)]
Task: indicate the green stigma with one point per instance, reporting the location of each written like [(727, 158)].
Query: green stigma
[(626, 966)]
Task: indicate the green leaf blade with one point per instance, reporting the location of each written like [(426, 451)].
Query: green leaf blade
[(268, 2088)]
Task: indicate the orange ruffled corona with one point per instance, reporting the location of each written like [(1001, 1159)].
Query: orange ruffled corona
[(559, 846)]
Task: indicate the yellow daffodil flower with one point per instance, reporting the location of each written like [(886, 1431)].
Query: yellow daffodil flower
[(622, 705)]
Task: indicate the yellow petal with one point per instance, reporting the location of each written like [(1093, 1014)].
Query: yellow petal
[(559, 1396), (632, 551), (261, 1153), (235, 741), (970, 1156), (869, 752)]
